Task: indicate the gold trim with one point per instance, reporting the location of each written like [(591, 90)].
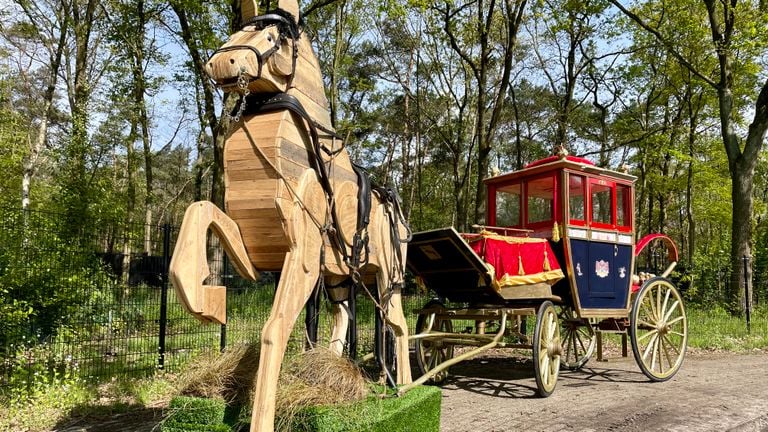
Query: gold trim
[(508, 239), (604, 313), (507, 280)]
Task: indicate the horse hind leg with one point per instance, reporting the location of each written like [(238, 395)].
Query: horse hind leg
[(391, 299), (338, 295), (189, 265), (389, 278)]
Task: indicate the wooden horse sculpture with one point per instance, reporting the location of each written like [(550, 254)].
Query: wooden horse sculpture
[(294, 202)]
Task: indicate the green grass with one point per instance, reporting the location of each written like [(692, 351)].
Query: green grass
[(52, 400), (417, 410), (715, 329)]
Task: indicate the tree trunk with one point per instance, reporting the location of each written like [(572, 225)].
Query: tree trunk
[(76, 189), (741, 235), (692, 125)]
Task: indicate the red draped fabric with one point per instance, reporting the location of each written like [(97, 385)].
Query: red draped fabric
[(514, 261)]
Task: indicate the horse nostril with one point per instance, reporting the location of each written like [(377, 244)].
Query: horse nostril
[(231, 61)]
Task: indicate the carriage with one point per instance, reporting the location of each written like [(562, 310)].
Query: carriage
[(560, 246)]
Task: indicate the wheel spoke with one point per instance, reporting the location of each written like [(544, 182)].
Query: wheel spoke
[(658, 303), (581, 343), (551, 326), (646, 335), (554, 365), (671, 309), (660, 350), (569, 341), (676, 320), (576, 340), (646, 324), (666, 300), (667, 344), (671, 345), (433, 360), (647, 304), (650, 346), (655, 352)]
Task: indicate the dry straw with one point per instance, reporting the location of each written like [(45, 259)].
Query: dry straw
[(314, 378), (229, 375)]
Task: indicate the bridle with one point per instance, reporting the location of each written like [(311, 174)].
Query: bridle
[(287, 27)]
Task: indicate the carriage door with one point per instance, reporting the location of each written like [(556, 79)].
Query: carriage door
[(608, 255), (601, 266)]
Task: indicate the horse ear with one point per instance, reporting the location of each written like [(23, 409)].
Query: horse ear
[(290, 6), (248, 9)]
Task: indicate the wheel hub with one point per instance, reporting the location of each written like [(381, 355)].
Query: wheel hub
[(554, 349), (663, 328)]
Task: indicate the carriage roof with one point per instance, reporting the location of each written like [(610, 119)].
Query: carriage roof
[(558, 163)]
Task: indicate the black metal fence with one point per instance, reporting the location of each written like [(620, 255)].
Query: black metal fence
[(97, 302)]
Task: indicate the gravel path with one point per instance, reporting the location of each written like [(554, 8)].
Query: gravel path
[(712, 392)]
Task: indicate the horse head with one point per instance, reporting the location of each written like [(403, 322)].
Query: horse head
[(263, 54)]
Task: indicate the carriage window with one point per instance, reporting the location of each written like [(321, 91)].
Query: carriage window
[(623, 206), (541, 193), (601, 203), (576, 197), (508, 205)]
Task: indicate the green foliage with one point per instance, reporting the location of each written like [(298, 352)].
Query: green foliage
[(52, 399), (48, 281), (13, 146)]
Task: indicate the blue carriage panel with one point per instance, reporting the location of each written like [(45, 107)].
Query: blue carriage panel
[(602, 272)]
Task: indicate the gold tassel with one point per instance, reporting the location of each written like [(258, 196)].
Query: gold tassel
[(520, 270), (547, 267), (555, 233)]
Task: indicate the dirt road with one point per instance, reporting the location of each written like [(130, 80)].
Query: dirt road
[(712, 392)]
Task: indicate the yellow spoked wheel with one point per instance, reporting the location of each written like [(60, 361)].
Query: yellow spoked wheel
[(659, 329), (431, 352), (577, 337), (547, 349)]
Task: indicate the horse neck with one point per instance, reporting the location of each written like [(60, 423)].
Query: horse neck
[(308, 86)]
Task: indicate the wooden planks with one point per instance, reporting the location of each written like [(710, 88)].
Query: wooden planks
[(252, 184)]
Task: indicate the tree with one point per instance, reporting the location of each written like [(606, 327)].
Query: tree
[(44, 25), (477, 55), (129, 29), (196, 29), (733, 26)]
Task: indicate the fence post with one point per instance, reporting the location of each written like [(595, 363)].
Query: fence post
[(225, 278), (747, 297), (164, 296)]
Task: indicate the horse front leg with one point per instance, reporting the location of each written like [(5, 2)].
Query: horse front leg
[(293, 291), (300, 272), (189, 265)]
